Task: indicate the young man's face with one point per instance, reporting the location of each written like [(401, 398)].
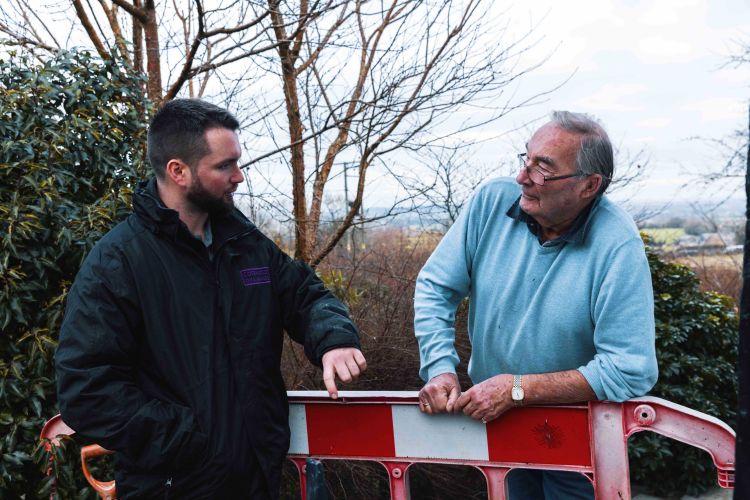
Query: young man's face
[(215, 176)]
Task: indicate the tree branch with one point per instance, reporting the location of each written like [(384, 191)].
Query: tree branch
[(133, 9), (111, 14), (90, 31), (189, 57)]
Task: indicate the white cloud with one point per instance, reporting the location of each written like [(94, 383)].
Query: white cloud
[(655, 122), (733, 75), (718, 108), (672, 12), (612, 97), (661, 50)]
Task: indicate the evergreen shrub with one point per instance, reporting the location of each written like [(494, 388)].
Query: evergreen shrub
[(72, 131), (697, 336)]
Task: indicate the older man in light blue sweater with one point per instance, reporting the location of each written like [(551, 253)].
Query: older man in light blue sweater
[(560, 298)]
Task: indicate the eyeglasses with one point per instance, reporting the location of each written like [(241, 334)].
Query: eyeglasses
[(537, 177)]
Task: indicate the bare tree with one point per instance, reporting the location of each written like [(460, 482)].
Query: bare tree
[(730, 151), (444, 182), (448, 177), (182, 37), (367, 81), (327, 90)]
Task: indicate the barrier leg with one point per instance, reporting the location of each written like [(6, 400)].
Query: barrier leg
[(316, 480), (610, 452), (495, 477), (398, 476), (300, 464), (686, 425)]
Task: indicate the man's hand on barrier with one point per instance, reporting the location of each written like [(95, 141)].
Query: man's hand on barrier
[(346, 363), (440, 394), (487, 400)]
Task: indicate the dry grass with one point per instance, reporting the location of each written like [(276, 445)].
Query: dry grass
[(717, 273), (380, 287)]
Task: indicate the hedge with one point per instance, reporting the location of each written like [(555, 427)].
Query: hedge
[(71, 131)]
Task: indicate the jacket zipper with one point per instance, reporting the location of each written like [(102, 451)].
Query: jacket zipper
[(168, 488)]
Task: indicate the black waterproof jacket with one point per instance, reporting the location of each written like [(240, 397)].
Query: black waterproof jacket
[(171, 358)]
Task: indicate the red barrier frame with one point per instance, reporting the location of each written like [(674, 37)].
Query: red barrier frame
[(589, 438)]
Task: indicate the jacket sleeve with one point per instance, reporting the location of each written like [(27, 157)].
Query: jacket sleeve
[(312, 315), (97, 393), (624, 365)]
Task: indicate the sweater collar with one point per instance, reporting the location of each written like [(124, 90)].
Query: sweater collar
[(576, 234)]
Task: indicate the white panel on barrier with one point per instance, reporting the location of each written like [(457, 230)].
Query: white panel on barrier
[(438, 436), (298, 444)]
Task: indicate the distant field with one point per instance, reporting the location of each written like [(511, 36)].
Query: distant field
[(715, 261), (664, 235)]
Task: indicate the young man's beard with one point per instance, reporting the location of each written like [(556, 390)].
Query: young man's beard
[(212, 205)]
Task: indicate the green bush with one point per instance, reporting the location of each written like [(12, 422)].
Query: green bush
[(696, 345), (71, 148)]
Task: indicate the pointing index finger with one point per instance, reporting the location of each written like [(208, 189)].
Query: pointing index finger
[(329, 381)]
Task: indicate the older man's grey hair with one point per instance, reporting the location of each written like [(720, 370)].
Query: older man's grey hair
[(595, 156)]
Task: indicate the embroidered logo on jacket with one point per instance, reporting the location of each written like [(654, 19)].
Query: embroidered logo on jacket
[(255, 276)]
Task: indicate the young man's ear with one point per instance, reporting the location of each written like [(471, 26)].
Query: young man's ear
[(178, 172)]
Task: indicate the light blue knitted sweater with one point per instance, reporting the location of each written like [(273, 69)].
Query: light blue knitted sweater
[(536, 309)]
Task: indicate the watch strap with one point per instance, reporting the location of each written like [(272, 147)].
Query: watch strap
[(517, 389)]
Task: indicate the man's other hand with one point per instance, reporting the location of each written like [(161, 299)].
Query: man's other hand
[(346, 363), (487, 400), (439, 394)]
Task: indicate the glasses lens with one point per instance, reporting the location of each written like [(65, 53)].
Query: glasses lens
[(535, 176)]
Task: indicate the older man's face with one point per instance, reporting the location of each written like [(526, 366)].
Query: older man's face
[(552, 151)]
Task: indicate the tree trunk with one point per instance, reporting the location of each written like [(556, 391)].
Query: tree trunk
[(301, 224), (288, 57), (742, 472), (153, 60)]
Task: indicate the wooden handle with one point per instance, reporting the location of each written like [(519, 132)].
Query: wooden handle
[(105, 489)]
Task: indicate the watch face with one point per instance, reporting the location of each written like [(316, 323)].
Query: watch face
[(516, 393)]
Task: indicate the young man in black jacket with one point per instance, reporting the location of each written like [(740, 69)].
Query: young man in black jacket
[(170, 348)]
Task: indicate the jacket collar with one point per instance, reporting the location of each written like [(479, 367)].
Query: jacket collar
[(149, 208)]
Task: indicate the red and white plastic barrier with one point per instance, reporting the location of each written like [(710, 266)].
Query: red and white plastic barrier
[(387, 427), (591, 439)]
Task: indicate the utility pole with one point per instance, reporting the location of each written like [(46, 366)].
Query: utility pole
[(350, 245), (742, 470)]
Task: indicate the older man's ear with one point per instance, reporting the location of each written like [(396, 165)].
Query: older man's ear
[(592, 185)]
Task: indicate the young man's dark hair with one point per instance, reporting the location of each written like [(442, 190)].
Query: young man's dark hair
[(178, 131)]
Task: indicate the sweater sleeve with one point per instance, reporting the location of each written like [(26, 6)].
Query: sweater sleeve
[(624, 365), (312, 315), (97, 393), (443, 282)]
